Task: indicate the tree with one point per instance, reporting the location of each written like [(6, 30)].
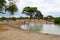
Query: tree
[(3, 18), (2, 6), (12, 8), (13, 18), (33, 12), (30, 11), (51, 17), (39, 15)]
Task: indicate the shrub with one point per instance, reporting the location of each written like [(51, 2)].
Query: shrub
[(57, 20)]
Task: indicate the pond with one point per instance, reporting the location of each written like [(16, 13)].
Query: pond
[(42, 28)]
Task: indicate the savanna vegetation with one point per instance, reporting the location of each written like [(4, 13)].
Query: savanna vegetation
[(57, 20), (32, 12)]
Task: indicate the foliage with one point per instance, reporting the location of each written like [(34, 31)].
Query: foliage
[(30, 11), (2, 6), (57, 20), (21, 17), (3, 18), (45, 18), (13, 18), (2, 1), (51, 17), (12, 8), (39, 15)]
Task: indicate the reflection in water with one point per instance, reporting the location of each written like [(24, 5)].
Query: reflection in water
[(34, 27), (42, 28), (50, 29)]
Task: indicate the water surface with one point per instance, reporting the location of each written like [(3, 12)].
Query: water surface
[(42, 28)]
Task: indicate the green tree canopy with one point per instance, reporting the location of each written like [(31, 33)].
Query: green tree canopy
[(57, 20), (2, 6), (3, 18), (12, 8), (32, 12), (39, 15), (29, 11), (12, 18), (51, 17)]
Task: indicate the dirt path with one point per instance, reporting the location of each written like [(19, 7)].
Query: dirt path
[(16, 34)]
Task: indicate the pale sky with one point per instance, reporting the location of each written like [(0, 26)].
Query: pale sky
[(47, 7)]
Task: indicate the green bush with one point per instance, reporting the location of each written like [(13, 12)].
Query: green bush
[(57, 20)]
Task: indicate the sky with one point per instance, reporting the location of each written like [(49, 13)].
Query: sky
[(47, 7)]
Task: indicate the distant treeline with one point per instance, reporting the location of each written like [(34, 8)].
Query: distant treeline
[(14, 18), (56, 20)]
